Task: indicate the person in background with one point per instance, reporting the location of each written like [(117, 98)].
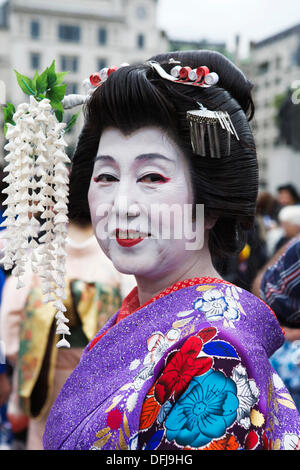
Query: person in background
[(6, 436), (280, 289), (94, 291), (287, 195), (289, 221), (267, 209), (5, 369)]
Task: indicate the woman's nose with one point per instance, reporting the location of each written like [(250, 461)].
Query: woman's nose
[(126, 201)]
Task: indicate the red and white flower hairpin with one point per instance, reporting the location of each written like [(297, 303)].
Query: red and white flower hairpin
[(100, 77), (199, 76)]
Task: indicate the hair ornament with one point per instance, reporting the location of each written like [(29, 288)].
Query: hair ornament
[(100, 77), (200, 76), (205, 122)]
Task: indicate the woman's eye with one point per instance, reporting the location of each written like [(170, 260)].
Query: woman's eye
[(105, 178), (153, 178)]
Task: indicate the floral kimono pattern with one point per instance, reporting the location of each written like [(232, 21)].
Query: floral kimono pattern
[(188, 370)]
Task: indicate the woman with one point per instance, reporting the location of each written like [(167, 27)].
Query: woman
[(94, 290), (184, 363)]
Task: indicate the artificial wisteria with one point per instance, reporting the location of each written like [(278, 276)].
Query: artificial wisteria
[(37, 178)]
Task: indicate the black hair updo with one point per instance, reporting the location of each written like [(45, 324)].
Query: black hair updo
[(136, 96)]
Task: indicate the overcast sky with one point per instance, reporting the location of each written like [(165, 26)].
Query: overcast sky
[(221, 20)]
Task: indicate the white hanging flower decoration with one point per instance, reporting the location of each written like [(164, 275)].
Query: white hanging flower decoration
[(38, 180)]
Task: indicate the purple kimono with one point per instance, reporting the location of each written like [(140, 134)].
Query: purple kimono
[(188, 370)]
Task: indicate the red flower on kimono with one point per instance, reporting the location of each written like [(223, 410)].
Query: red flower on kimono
[(114, 419), (182, 366), (252, 440)]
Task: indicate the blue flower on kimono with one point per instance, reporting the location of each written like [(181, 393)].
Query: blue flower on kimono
[(204, 411), (217, 306)]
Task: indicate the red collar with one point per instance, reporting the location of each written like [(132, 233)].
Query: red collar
[(131, 303)]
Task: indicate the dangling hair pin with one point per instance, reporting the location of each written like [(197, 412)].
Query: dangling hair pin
[(202, 120)]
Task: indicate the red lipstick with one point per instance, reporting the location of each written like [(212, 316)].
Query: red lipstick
[(127, 242)]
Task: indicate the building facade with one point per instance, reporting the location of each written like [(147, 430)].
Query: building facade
[(82, 36), (274, 69)]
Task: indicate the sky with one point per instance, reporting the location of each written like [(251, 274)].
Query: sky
[(222, 20)]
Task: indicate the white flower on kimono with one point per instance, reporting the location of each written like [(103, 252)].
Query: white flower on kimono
[(133, 442), (247, 393), (158, 343), (291, 442), (277, 381), (143, 376), (233, 291), (217, 306), (134, 364), (131, 401)]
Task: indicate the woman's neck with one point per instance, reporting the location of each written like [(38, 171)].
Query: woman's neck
[(200, 266), (79, 233)]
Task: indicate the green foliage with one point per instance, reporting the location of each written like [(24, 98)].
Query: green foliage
[(8, 111), (49, 84), (71, 122)]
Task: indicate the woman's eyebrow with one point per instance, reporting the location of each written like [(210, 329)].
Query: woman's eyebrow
[(107, 158), (149, 156), (144, 156)]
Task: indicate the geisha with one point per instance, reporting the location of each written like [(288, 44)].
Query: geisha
[(184, 363)]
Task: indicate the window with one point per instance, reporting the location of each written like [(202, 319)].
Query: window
[(69, 63), (102, 36), (141, 12), (35, 29), (263, 68), (101, 63), (35, 60), (67, 32), (278, 62), (72, 89), (277, 81), (295, 58), (140, 41)]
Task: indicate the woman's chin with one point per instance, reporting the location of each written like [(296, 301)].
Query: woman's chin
[(132, 265)]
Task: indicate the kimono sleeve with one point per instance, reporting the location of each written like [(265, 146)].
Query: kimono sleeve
[(280, 286)]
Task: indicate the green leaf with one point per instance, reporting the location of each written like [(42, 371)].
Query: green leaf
[(52, 75), (36, 75), (57, 106), (42, 82), (56, 93), (8, 112), (25, 84), (59, 115), (71, 122), (60, 77)]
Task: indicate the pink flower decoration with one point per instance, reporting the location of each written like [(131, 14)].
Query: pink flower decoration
[(95, 79)]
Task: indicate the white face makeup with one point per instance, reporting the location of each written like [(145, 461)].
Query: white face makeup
[(134, 175)]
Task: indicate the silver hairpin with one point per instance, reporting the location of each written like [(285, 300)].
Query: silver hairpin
[(204, 121)]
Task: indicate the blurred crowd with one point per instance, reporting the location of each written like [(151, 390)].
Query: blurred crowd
[(34, 370)]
